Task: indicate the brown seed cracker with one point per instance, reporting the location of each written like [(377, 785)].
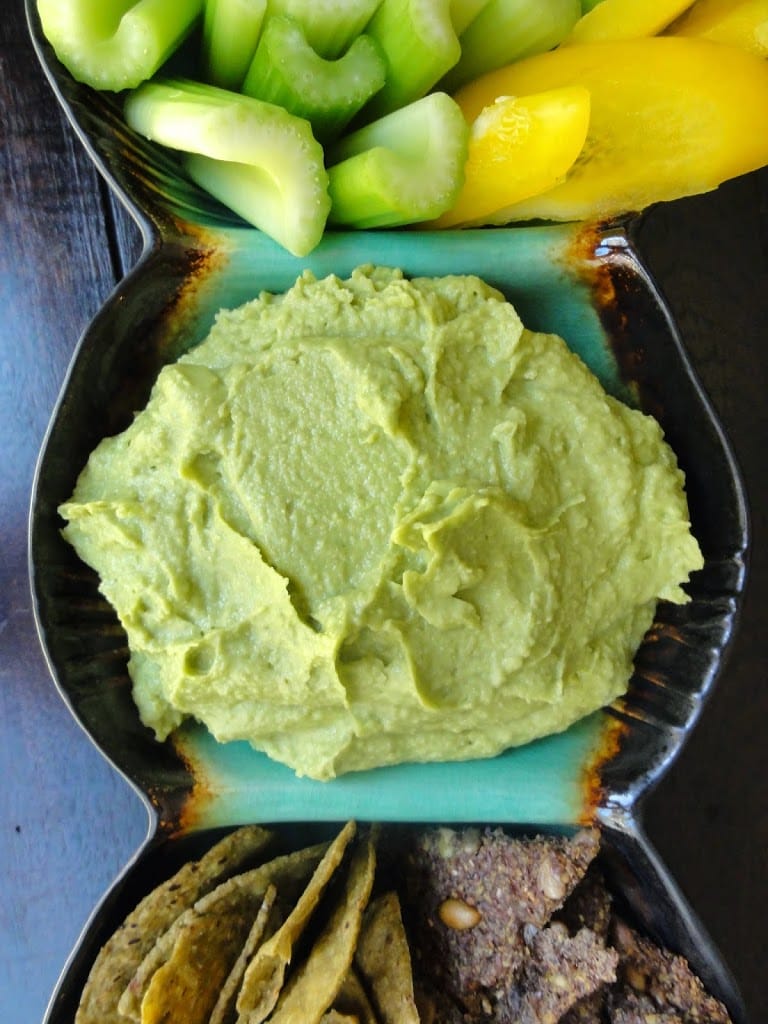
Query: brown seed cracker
[(511, 882), (629, 1007), (590, 905), (560, 971), (664, 978)]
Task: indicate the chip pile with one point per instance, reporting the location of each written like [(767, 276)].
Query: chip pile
[(439, 927)]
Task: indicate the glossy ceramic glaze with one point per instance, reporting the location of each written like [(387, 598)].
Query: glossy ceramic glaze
[(584, 282)]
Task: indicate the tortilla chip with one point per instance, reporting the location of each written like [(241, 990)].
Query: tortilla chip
[(352, 999), (248, 890), (121, 955), (225, 1011), (205, 949), (384, 960), (312, 988), (264, 975), (334, 1017)]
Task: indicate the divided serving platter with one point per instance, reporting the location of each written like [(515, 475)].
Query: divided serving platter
[(585, 282)]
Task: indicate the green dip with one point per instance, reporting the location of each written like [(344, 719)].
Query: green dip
[(377, 520)]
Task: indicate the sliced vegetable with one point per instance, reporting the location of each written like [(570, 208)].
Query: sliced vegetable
[(507, 30), (625, 19), (116, 44), (420, 44), (330, 26), (404, 168), (287, 71), (464, 12), (612, 118), (519, 147), (670, 117), (258, 159), (742, 23), (230, 33)]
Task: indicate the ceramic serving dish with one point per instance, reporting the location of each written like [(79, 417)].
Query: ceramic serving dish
[(585, 282)]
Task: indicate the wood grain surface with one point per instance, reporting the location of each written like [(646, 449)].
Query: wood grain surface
[(68, 823)]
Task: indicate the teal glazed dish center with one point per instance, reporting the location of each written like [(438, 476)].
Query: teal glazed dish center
[(471, 456), (561, 279)]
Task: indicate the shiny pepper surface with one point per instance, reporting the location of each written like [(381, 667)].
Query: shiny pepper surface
[(741, 23), (625, 19), (670, 117)]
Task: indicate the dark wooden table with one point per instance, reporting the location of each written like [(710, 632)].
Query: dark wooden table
[(68, 823)]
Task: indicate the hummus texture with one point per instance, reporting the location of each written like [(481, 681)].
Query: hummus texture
[(377, 520)]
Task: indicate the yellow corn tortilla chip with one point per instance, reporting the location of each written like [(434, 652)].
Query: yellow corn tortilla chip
[(335, 1017), (289, 872), (311, 990), (384, 960), (121, 955), (225, 1011), (352, 999), (264, 975), (205, 949)]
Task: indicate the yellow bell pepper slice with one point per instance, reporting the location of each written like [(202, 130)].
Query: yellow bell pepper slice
[(742, 23), (612, 20), (518, 146), (670, 116)]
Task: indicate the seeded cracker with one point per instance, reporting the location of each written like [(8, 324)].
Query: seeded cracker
[(287, 872), (264, 975), (476, 896), (510, 882), (590, 905), (120, 956), (587, 1011), (560, 971), (657, 981), (634, 1008)]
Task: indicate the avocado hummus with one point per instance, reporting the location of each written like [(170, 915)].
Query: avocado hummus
[(377, 520)]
